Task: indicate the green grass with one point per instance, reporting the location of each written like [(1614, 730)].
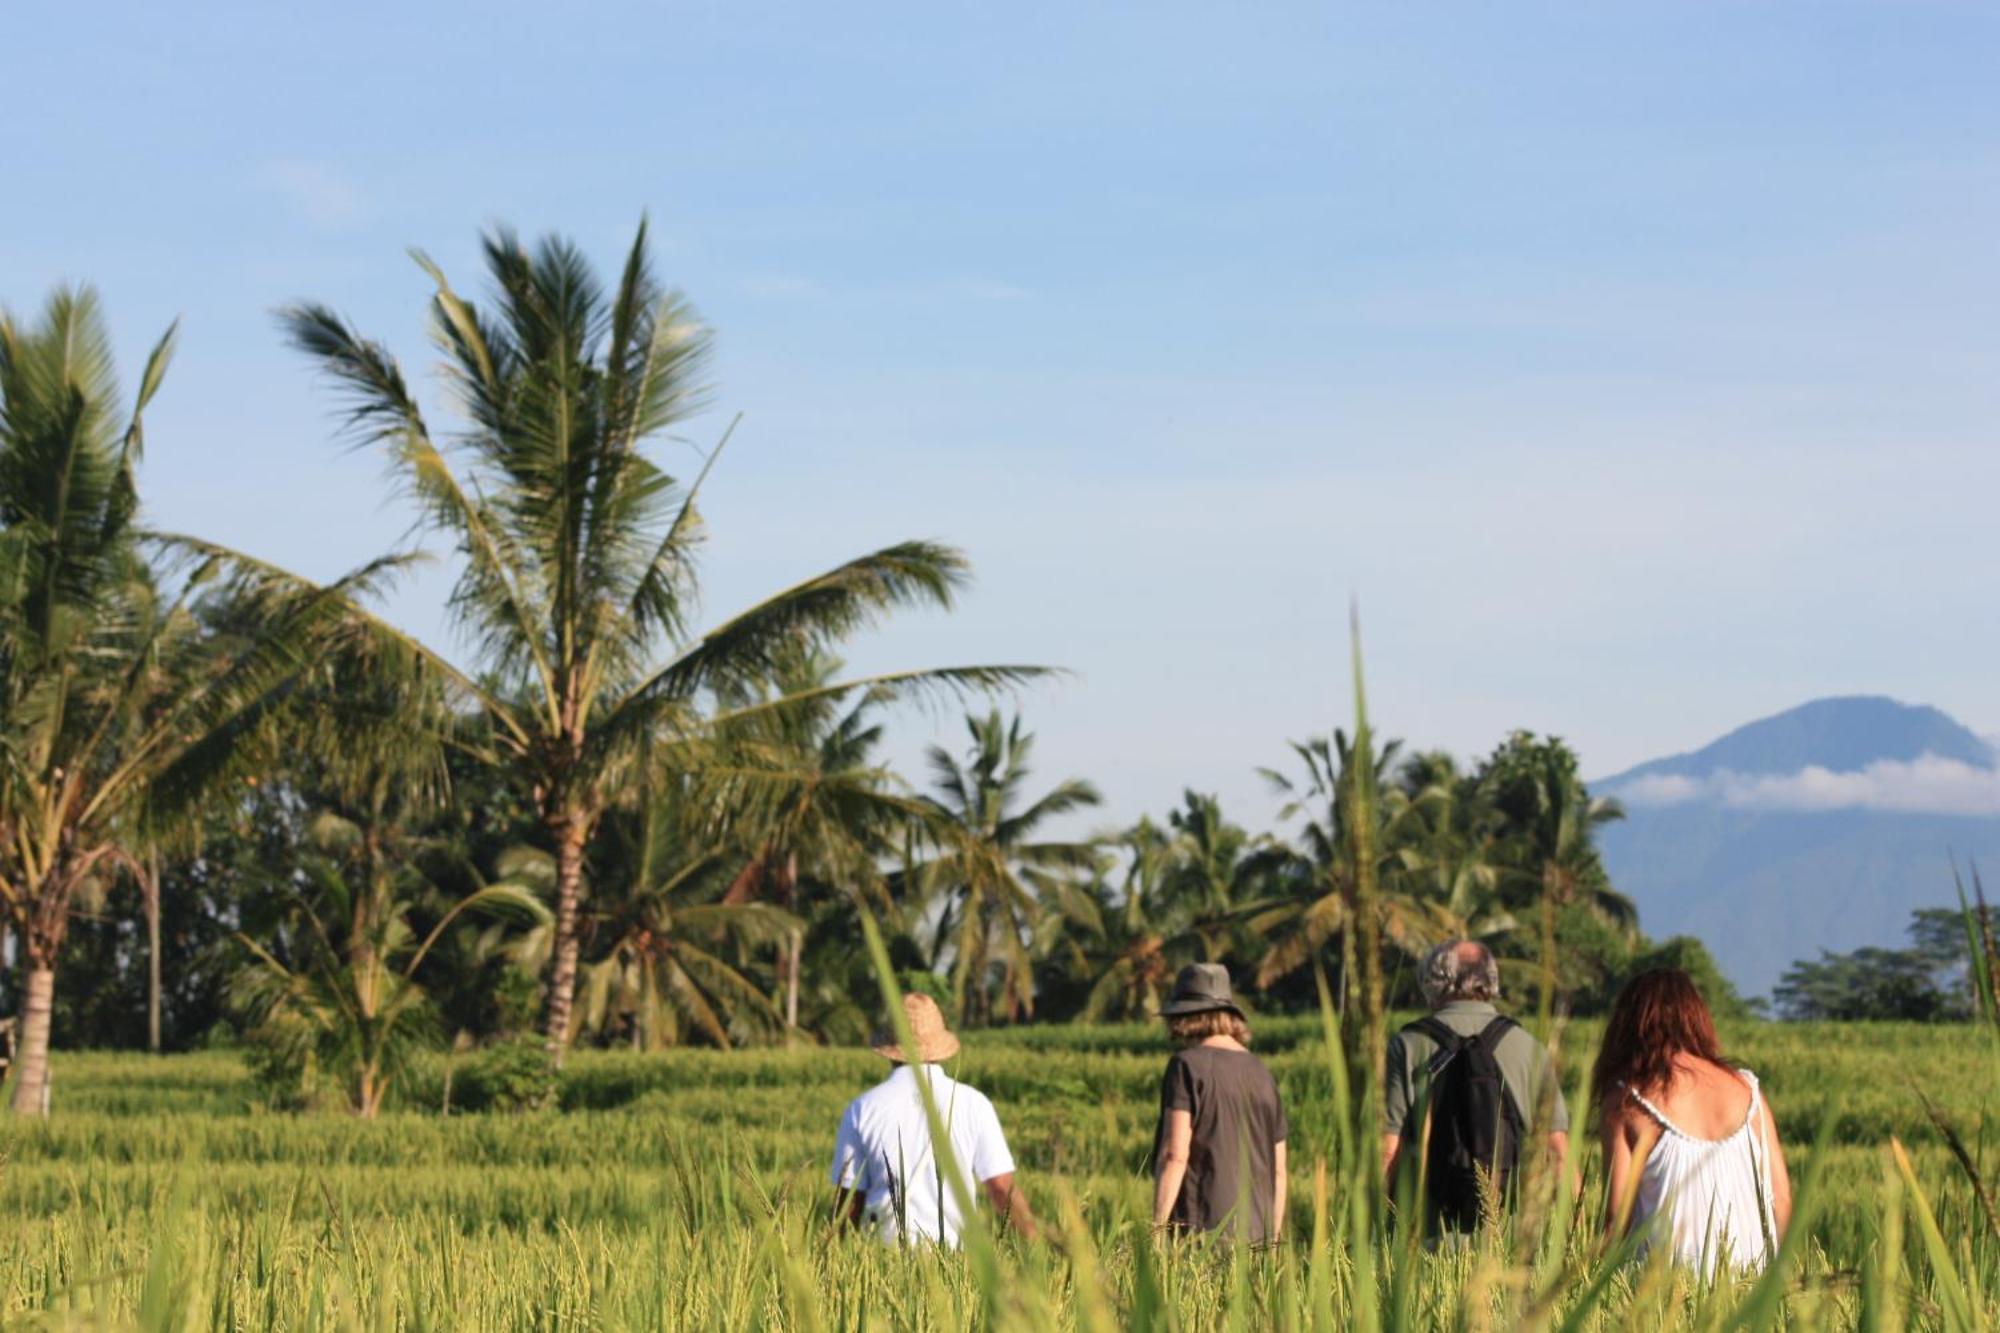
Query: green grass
[(688, 1191)]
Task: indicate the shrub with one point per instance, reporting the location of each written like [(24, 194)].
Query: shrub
[(284, 1069), (510, 1075)]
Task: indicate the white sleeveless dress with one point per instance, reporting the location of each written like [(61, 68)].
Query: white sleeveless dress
[(1715, 1193)]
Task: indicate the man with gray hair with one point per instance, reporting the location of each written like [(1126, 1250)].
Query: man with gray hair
[(1468, 1088)]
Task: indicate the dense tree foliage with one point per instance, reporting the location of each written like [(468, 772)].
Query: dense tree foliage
[(1930, 981), (684, 937)]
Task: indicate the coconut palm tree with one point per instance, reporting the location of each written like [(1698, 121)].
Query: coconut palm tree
[(984, 870), (1126, 938), (1344, 872), (1441, 881), (661, 899), (807, 792), (1142, 934), (1216, 874), (578, 578), (368, 750), (349, 998), (1549, 840), (121, 702), (1188, 893), (1321, 867)]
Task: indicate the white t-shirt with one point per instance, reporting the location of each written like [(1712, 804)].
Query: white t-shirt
[(884, 1153)]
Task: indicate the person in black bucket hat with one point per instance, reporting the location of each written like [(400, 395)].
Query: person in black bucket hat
[(1219, 1151)]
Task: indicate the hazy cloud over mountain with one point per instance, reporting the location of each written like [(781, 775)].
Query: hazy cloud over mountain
[(1929, 784)]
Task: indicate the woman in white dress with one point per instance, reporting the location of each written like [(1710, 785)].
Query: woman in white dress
[(1690, 1146)]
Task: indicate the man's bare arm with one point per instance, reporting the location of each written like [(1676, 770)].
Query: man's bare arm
[(1559, 1160), (847, 1206), (1010, 1202)]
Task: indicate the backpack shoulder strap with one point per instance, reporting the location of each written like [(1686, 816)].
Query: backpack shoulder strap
[(1449, 1044), (1494, 1033), (1434, 1028), (1488, 1041)]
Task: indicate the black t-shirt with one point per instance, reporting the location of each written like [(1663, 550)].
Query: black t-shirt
[(1238, 1122)]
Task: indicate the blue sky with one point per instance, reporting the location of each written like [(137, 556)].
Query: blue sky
[(1633, 366)]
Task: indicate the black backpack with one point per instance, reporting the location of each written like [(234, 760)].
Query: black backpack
[(1476, 1127)]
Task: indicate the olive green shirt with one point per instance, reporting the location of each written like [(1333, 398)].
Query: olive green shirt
[(1524, 1063)]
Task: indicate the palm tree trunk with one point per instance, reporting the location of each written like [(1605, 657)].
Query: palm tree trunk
[(7, 968), (149, 888), (795, 944), (570, 834), (41, 944), (31, 1062)]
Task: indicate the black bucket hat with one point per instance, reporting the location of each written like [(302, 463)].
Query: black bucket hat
[(1200, 989)]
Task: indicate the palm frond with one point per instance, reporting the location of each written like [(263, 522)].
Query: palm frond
[(492, 594), (831, 606)]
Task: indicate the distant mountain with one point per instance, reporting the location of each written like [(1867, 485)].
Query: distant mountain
[(1843, 735), (1820, 828)]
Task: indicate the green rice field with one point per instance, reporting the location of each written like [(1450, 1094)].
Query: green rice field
[(687, 1190)]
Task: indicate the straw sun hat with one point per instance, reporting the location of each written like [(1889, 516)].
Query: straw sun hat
[(933, 1039)]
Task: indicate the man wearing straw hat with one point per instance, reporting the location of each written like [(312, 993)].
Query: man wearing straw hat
[(885, 1169)]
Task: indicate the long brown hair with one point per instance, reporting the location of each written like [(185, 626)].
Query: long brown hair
[(1658, 1016)]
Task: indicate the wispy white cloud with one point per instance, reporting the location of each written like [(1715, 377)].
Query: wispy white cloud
[(321, 194), (1929, 785), (1660, 789)]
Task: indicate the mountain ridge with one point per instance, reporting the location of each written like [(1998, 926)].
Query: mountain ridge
[(1766, 885), (1841, 733)]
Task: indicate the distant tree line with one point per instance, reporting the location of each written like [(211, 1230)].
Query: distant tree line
[(1933, 980), (1015, 925)]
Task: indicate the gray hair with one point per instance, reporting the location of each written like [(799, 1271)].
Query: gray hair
[(1459, 970)]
